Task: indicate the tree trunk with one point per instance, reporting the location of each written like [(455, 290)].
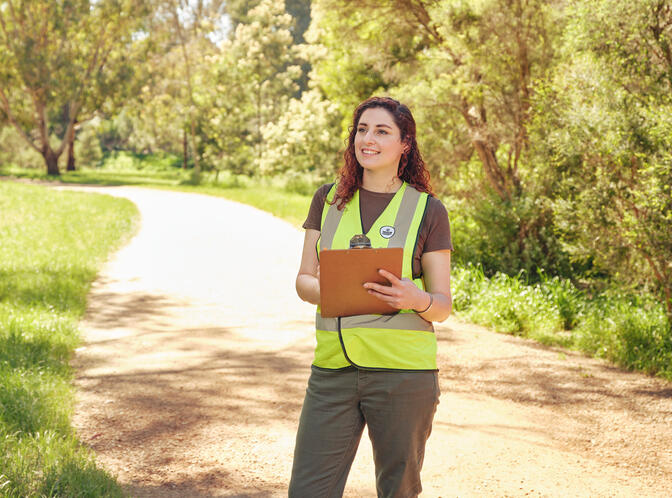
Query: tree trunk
[(499, 179), (71, 154), (51, 159), (185, 149), (194, 147)]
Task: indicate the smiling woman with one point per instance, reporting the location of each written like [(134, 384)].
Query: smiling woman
[(375, 370), (378, 149)]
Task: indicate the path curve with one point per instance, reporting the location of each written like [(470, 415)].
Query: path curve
[(196, 356)]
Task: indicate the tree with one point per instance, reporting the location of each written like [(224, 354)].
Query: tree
[(58, 61), (301, 144), (168, 111), (607, 129), (471, 62), (255, 73)]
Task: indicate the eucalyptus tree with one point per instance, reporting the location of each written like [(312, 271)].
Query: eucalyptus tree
[(60, 60), (471, 62)]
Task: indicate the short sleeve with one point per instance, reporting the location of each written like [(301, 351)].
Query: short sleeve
[(434, 233), (436, 227), (314, 218)]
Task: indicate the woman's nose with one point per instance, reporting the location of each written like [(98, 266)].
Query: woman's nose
[(369, 137)]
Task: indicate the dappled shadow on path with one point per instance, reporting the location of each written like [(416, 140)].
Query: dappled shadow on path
[(553, 379), (123, 307), (178, 391)]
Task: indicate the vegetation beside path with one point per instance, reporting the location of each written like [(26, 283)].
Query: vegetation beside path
[(51, 246), (629, 329)]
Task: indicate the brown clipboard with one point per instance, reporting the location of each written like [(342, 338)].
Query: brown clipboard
[(343, 273)]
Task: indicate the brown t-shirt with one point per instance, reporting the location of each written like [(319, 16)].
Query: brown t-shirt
[(434, 231)]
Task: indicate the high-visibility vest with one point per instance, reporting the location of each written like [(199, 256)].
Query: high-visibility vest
[(400, 341)]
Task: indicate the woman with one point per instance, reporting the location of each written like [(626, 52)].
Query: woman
[(375, 370)]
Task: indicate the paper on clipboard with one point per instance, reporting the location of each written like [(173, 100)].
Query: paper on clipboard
[(343, 273)]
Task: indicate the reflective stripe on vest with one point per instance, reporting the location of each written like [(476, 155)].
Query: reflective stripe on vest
[(400, 341)]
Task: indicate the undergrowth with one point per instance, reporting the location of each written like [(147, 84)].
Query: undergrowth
[(627, 329)]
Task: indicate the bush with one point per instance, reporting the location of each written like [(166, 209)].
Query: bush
[(87, 147), (509, 237), (505, 303), (631, 331), (15, 150), (303, 139), (125, 161)]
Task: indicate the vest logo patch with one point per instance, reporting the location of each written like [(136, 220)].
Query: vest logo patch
[(387, 232)]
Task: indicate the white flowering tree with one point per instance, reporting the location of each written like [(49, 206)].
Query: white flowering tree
[(254, 75), (304, 143)]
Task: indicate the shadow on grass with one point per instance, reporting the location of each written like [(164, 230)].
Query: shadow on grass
[(61, 290)]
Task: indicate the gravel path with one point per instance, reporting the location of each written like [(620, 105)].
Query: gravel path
[(197, 352)]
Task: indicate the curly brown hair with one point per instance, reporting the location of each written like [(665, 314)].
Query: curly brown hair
[(411, 168)]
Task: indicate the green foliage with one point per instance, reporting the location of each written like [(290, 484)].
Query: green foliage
[(59, 63), (116, 133), (630, 330), (87, 146), (604, 124), (254, 74), (508, 304), (13, 150), (130, 162), (509, 236), (50, 246)]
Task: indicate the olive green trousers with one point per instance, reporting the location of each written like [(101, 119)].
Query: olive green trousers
[(397, 407)]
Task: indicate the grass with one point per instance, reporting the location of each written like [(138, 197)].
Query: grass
[(51, 244), (630, 330)]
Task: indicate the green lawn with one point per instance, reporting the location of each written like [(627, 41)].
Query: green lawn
[(51, 245)]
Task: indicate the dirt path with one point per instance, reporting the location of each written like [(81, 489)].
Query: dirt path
[(196, 357)]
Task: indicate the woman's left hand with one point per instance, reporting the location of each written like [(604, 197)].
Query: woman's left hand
[(401, 294)]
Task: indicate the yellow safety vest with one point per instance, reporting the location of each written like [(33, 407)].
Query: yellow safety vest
[(400, 341)]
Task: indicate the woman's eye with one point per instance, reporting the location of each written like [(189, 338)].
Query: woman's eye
[(361, 130), (382, 132)]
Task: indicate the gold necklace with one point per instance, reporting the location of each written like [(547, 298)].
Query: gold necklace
[(390, 186)]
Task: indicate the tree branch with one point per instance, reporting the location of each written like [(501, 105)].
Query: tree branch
[(12, 120)]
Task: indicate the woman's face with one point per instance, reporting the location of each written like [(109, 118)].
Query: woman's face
[(378, 145)]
